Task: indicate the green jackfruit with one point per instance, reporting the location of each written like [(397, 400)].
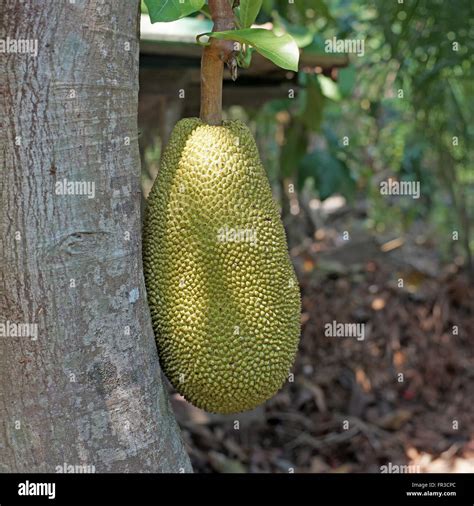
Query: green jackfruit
[(223, 295)]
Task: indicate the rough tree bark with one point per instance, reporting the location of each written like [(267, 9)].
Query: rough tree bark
[(88, 390)]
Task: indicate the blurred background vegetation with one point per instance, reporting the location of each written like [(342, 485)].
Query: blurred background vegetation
[(328, 136), (403, 110)]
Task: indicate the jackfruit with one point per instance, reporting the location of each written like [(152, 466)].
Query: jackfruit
[(223, 295)]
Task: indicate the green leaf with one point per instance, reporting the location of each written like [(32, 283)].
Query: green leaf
[(346, 80), (312, 114), (274, 106), (282, 50), (329, 88), (316, 47), (330, 174), (267, 6), (249, 10), (244, 58), (303, 35), (293, 149), (171, 10)]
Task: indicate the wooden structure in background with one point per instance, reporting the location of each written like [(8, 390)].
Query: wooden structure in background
[(170, 65)]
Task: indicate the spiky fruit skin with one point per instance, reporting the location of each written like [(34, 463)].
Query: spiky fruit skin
[(225, 307)]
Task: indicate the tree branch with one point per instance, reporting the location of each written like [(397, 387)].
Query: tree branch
[(213, 57)]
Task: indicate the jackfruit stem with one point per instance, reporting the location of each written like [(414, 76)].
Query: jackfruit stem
[(212, 62)]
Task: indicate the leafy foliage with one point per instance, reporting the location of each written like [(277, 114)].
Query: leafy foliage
[(330, 175), (248, 12), (171, 10), (402, 109), (281, 50)]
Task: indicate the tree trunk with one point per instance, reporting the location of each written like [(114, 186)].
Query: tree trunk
[(80, 382)]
